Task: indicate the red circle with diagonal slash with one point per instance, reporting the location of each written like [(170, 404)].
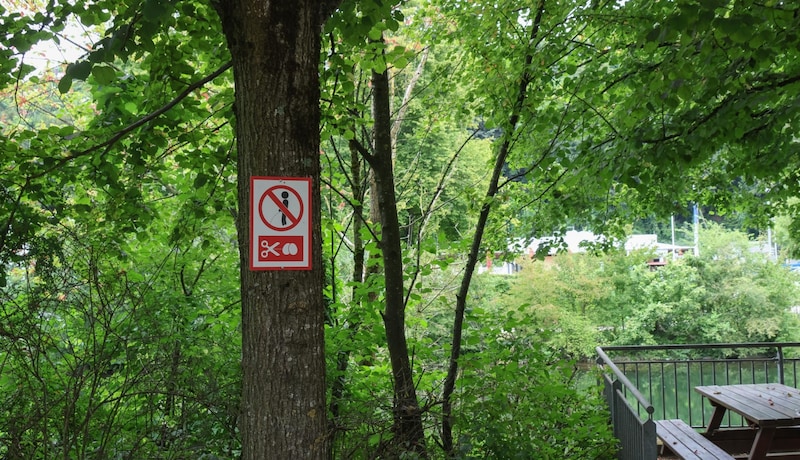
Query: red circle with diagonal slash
[(293, 220)]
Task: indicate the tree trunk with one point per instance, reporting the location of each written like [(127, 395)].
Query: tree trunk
[(407, 424), (275, 48), (407, 413), (475, 248)]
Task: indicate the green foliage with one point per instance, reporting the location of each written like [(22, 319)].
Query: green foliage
[(671, 309), (58, 145), (119, 294), (751, 293), (118, 333), (731, 293), (112, 355), (570, 294), (787, 230), (433, 169), (706, 106), (519, 399)]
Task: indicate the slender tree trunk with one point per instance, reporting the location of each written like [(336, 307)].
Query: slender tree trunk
[(407, 413), (407, 95), (475, 248), (407, 426), (275, 48)]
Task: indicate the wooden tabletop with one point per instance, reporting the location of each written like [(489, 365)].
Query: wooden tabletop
[(765, 404)]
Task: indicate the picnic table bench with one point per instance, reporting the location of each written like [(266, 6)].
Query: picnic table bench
[(682, 440)]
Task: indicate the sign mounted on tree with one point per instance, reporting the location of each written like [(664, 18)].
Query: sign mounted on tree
[(280, 223)]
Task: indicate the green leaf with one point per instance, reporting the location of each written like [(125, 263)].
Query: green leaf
[(135, 277), (79, 70), (64, 84), (200, 180), (400, 62), (154, 9), (104, 74), (375, 34)]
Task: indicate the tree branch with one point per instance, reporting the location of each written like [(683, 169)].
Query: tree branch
[(137, 124)]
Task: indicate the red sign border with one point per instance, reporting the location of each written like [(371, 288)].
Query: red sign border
[(287, 181)]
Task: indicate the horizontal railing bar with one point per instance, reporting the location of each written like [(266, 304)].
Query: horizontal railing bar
[(702, 360), (701, 346)]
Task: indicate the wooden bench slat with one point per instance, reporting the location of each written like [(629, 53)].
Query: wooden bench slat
[(687, 443)]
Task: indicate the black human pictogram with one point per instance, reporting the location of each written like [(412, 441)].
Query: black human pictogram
[(285, 196)]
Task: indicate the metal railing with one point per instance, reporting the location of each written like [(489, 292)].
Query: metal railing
[(636, 433), (646, 383)]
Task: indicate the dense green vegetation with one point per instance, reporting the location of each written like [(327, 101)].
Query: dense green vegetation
[(732, 292), (447, 128)]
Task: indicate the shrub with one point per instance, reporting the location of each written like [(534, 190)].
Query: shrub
[(519, 399)]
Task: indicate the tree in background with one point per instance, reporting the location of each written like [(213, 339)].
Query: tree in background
[(751, 292), (731, 293), (786, 233)]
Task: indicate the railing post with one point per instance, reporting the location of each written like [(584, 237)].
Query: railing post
[(781, 378), (649, 443)]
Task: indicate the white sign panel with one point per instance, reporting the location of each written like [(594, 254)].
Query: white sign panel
[(280, 223)]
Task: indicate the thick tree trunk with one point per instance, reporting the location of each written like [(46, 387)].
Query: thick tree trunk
[(275, 51)]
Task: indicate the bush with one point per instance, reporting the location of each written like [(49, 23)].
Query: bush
[(519, 399)]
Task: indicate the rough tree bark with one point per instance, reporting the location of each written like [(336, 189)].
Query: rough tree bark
[(275, 49)]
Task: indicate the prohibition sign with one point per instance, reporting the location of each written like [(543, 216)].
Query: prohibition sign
[(287, 219), (280, 223)]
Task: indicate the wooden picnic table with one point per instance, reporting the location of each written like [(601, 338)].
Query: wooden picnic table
[(766, 406)]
